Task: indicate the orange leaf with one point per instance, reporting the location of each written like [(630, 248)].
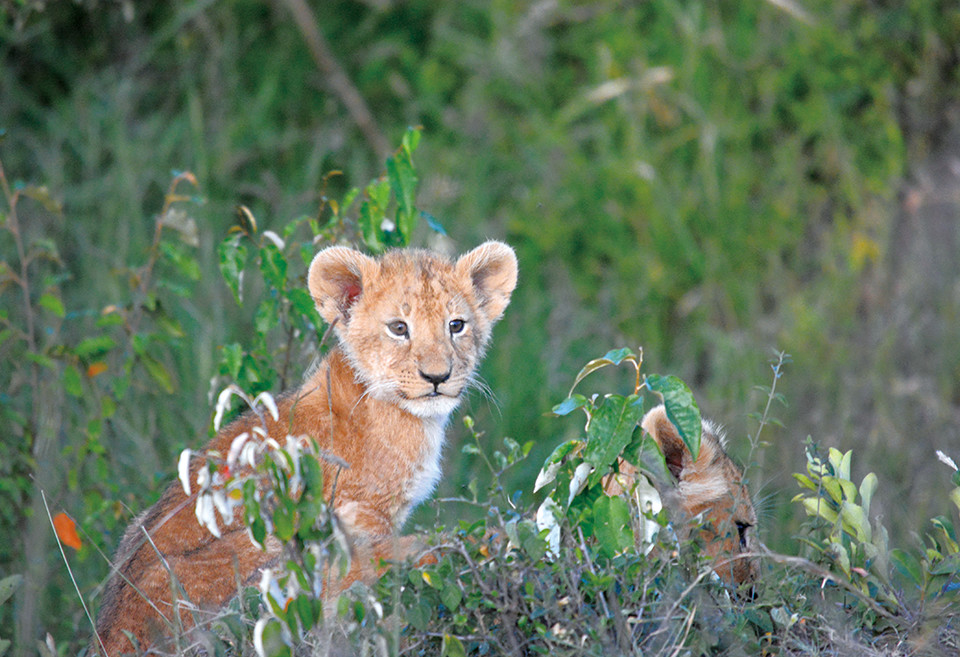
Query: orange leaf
[(96, 368), (66, 530)]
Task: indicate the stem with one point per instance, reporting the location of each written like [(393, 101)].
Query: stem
[(782, 359)]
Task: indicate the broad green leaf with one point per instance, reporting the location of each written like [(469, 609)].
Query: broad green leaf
[(92, 347), (569, 405), (72, 382), (157, 371), (804, 481), (42, 195), (283, 521), (612, 524), (553, 462), (833, 488), (950, 565), (682, 409), (816, 507), (451, 597), (614, 357), (867, 488), (369, 223), (909, 565), (52, 303), (403, 180), (610, 429), (232, 253), (231, 359), (410, 141), (273, 266), (452, 647), (855, 521), (8, 585)]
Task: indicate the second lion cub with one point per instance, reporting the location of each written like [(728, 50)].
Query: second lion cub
[(412, 327)]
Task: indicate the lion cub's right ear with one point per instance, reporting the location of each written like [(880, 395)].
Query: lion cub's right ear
[(336, 281)]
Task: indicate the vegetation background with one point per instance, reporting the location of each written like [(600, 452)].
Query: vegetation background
[(712, 181)]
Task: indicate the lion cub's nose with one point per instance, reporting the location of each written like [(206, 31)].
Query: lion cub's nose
[(435, 379)]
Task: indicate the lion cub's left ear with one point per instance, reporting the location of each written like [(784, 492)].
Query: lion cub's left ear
[(492, 268)]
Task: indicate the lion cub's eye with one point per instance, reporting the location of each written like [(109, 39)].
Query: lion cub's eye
[(398, 329), (742, 528), (456, 326)]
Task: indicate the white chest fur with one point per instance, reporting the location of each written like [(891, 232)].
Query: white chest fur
[(426, 473)]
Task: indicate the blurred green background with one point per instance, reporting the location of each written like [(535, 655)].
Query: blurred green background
[(712, 181)]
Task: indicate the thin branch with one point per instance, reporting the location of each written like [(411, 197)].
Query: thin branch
[(337, 79)]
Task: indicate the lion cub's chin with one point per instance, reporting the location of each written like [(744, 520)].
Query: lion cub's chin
[(436, 408)]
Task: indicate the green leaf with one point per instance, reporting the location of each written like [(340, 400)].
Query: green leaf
[(855, 521), (233, 258), (72, 382), (614, 357), (804, 481), (682, 409), (41, 195), (410, 141), (158, 372), (52, 303), (272, 639), (816, 507), (283, 521), (610, 429), (612, 525), (909, 565), (273, 266), (369, 223), (93, 347), (949, 566), (553, 462), (451, 597), (867, 488), (403, 181), (8, 585), (569, 405), (452, 647), (231, 359)]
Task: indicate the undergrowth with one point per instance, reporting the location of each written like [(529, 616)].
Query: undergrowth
[(560, 570)]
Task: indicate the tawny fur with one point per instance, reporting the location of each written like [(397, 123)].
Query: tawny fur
[(380, 401), (708, 491)]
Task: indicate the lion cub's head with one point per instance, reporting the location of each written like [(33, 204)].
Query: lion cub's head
[(412, 324), (710, 488)]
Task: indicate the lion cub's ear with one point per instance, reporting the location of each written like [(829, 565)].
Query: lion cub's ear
[(336, 281), (492, 269), (679, 460)]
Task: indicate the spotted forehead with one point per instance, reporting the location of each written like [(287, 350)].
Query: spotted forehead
[(420, 285)]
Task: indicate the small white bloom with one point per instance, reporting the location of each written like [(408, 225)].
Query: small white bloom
[(387, 226), (206, 514), (547, 519), (203, 478), (267, 400), (249, 454), (223, 400), (946, 459), (273, 237), (546, 475), (648, 500), (258, 636), (224, 505), (236, 449), (579, 480), (183, 469)]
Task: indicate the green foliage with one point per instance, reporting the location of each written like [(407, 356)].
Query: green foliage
[(858, 549)]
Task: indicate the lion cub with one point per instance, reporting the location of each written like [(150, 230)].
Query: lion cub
[(412, 327), (710, 489)]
